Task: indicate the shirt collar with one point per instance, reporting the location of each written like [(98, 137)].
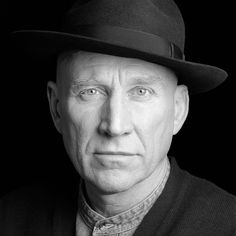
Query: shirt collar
[(124, 221)]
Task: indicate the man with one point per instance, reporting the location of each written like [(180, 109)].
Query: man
[(120, 96)]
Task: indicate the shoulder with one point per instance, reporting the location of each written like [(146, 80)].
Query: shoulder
[(209, 205), (199, 188), (31, 206), (28, 195), (21, 205), (209, 193), (197, 205)]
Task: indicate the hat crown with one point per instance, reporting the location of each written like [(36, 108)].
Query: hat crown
[(156, 17)]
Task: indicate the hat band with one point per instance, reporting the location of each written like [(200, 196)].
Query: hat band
[(131, 39)]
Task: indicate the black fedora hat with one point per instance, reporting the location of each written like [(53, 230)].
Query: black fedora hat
[(151, 30)]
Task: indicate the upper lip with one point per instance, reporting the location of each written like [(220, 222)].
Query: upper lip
[(114, 153)]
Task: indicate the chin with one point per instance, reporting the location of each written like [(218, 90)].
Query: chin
[(114, 182)]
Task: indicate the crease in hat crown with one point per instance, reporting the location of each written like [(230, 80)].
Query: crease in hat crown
[(157, 17)]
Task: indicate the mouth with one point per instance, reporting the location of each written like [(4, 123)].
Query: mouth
[(114, 153), (114, 159)]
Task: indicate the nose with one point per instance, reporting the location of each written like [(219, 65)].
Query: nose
[(115, 117)]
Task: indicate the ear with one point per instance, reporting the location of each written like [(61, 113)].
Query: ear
[(181, 100), (53, 99)]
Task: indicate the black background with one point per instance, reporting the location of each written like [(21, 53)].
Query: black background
[(31, 149)]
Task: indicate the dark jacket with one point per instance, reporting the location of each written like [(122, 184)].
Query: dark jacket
[(188, 206)]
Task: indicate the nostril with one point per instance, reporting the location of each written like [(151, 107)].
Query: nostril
[(109, 128), (115, 127)]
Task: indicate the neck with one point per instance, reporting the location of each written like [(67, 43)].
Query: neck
[(112, 204)]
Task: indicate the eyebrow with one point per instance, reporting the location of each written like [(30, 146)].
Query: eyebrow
[(77, 81), (145, 80)]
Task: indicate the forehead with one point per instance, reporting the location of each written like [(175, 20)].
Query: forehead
[(76, 65)]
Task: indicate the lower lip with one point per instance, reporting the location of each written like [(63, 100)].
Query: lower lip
[(113, 155), (113, 158)]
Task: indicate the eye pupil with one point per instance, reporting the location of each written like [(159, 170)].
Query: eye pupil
[(141, 91), (88, 92), (91, 91)]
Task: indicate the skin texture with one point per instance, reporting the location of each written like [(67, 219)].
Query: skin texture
[(117, 117)]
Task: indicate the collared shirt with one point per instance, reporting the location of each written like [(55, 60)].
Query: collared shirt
[(89, 222)]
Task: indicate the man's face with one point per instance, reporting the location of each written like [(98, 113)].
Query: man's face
[(116, 116)]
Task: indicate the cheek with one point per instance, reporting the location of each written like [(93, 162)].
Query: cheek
[(78, 128), (164, 133), (155, 128)]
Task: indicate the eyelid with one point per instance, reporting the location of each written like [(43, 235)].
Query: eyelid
[(84, 93), (86, 90), (147, 96), (78, 88), (99, 89), (143, 87)]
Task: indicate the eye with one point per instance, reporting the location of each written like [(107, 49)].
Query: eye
[(91, 93), (141, 92)]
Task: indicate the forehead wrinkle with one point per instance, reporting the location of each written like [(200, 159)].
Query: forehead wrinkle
[(74, 61), (116, 75), (93, 74), (101, 73), (138, 74)]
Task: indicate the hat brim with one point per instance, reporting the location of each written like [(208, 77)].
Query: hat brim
[(197, 77)]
